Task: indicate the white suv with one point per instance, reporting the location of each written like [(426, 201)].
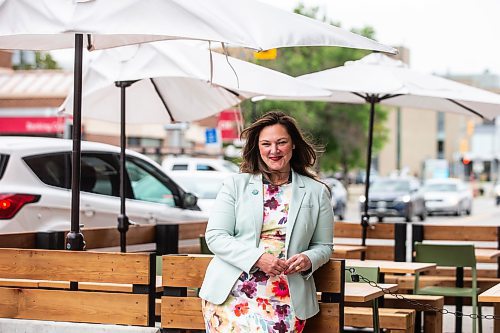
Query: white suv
[(35, 181)]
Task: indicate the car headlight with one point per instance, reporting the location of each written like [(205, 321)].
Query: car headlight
[(405, 198), (453, 201), (362, 198), (497, 190)]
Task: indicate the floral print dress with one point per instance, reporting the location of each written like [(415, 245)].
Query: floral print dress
[(258, 302)]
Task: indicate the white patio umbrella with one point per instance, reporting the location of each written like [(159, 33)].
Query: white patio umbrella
[(173, 81), (97, 24), (377, 78)]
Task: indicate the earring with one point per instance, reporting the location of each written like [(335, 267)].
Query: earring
[(293, 147)]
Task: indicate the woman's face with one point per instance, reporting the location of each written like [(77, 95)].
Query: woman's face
[(275, 147)]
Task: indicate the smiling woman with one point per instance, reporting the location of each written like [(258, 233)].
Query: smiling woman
[(270, 229)]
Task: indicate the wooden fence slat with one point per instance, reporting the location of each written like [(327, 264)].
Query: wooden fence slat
[(74, 266), (461, 233), (22, 240), (182, 312), (327, 276), (353, 230), (191, 230), (108, 237), (380, 252), (325, 321), (74, 306)]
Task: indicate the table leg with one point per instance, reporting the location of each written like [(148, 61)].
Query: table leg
[(459, 282), (496, 324), (376, 317)]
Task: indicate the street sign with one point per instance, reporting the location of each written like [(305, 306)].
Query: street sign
[(266, 55), (211, 135)]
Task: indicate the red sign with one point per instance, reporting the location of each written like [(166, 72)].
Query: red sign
[(229, 123), (22, 125)]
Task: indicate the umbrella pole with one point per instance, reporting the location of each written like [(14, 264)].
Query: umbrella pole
[(123, 221), (74, 239), (372, 99)]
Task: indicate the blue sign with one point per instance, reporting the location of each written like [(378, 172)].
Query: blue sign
[(210, 135)]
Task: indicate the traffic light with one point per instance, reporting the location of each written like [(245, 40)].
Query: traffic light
[(465, 161)]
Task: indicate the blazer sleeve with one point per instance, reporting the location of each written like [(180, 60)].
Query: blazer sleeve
[(220, 231), (321, 245)]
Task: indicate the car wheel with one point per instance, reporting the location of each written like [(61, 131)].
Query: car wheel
[(341, 212), (459, 211), (423, 215), (409, 214), (469, 210), (380, 219)]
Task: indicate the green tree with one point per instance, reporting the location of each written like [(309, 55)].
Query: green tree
[(42, 60), (341, 129)]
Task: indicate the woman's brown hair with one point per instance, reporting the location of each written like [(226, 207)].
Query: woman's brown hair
[(304, 153)]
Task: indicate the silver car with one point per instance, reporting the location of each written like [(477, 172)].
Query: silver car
[(449, 195), (339, 196)]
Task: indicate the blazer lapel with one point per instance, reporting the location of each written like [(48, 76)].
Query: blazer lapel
[(298, 193), (256, 204)]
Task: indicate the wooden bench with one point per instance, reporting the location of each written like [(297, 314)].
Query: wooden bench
[(393, 233), (163, 238), (433, 320), (394, 320), (43, 272), (180, 311)]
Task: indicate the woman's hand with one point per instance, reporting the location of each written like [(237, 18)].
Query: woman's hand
[(271, 265), (298, 263)]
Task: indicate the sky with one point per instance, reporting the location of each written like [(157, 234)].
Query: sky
[(444, 36)]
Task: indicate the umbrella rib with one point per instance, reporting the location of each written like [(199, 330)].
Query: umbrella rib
[(466, 108), (365, 97), (162, 100), (387, 96)]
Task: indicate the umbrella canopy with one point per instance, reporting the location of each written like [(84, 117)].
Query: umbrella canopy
[(173, 81), (178, 82), (55, 24), (51, 24), (377, 78), (395, 84)]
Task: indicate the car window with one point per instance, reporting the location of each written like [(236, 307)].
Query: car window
[(204, 167), (100, 174), (147, 184), (441, 187), (3, 164), (180, 167), (390, 186), (51, 169)]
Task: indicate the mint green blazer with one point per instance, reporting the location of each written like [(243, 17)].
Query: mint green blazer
[(233, 235)]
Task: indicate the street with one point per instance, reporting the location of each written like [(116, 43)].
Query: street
[(484, 211)]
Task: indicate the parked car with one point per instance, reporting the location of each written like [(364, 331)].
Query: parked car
[(448, 195), (184, 163), (496, 190), (35, 181), (339, 196), (400, 197), (205, 185)]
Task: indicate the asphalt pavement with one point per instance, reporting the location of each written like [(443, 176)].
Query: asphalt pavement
[(484, 211)]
